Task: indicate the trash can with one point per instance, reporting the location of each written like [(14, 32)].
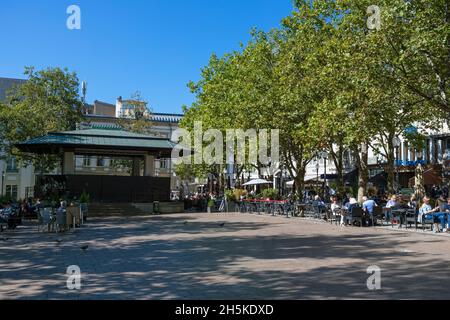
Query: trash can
[(156, 207)]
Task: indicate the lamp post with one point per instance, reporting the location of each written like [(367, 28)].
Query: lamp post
[(396, 142), (317, 169), (445, 158), (3, 182)]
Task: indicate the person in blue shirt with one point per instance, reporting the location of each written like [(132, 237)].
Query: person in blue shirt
[(368, 206), (447, 212), (429, 213)]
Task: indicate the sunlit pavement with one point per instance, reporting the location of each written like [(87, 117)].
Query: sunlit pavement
[(191, 256)]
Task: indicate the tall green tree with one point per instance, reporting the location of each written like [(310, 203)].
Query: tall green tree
[(48, 101)]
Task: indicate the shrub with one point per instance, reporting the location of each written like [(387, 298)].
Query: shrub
[(85, 197), (238, 193), (269, 194), (229, 195)]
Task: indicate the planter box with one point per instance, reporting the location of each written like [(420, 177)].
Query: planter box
[(164, 207)]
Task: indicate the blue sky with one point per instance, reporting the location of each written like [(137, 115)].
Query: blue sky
[(154, 46)]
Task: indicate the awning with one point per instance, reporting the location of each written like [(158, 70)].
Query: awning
[(256, 182)]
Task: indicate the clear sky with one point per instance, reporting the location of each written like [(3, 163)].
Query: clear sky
[(154, 46)]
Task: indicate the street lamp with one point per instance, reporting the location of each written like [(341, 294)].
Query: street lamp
[(396, 142), (317, 169), (3, 181), (445, 158)]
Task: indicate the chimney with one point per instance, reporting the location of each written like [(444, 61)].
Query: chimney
[(119, 107)]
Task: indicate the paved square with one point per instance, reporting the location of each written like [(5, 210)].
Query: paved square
[(190, 256)]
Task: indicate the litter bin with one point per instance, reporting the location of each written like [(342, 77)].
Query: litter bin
[(156, 207)]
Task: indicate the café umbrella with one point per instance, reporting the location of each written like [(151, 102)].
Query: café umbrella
[(256, 182)]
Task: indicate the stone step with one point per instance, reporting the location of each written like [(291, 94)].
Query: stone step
[(113, 210)]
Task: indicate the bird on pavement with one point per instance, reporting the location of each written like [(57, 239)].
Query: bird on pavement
[(84, 248), (185, 223), (222, 225), (4, 239), (59, 241)]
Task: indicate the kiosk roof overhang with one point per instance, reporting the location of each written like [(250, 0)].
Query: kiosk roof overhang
[(114, 141)]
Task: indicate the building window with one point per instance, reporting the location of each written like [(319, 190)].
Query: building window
[(11, 191), (86, 161), (100, 162), (11, 165), (163, 164), (29, 192)]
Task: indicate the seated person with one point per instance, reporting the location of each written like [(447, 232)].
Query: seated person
[(447, 206), (429, 213), (391, 204), (335, 207), (6, 212), (319, 203), (368, 207), (413, 203), (353, 203)]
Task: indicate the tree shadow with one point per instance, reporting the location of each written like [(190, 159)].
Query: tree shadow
[(163, 258)]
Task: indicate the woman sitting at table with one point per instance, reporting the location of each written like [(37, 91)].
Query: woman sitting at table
[(391, 204), (346, 219), (428, 213)]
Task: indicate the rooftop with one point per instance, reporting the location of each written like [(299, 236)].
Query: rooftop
[(95, 139)]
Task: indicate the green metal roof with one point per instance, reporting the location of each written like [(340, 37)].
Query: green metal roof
[(96, 138)]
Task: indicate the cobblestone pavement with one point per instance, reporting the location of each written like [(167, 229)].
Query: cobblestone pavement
[(191, 256)]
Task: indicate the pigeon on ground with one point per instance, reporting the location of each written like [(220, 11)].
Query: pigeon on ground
[(58, 241), (84, 248), (222, 225), (4, 239), (185, 223)]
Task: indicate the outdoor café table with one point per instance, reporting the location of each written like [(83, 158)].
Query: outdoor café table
[(400, 215)]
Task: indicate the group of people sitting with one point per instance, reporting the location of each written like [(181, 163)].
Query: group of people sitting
[(439, 215), (6, 216)]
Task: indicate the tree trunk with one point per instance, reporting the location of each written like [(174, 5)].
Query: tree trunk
[(340, 170), (363, 178), (391, 166), (300, 183)]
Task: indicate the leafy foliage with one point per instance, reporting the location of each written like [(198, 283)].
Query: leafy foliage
[(47, 101)]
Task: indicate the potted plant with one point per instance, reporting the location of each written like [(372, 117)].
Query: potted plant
[(230, 197)]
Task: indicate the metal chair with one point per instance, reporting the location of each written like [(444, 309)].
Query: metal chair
[(378, 214), (84, 211), (357, 215), (428, 219), (411, 218), (336, 216), (399, 216)]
